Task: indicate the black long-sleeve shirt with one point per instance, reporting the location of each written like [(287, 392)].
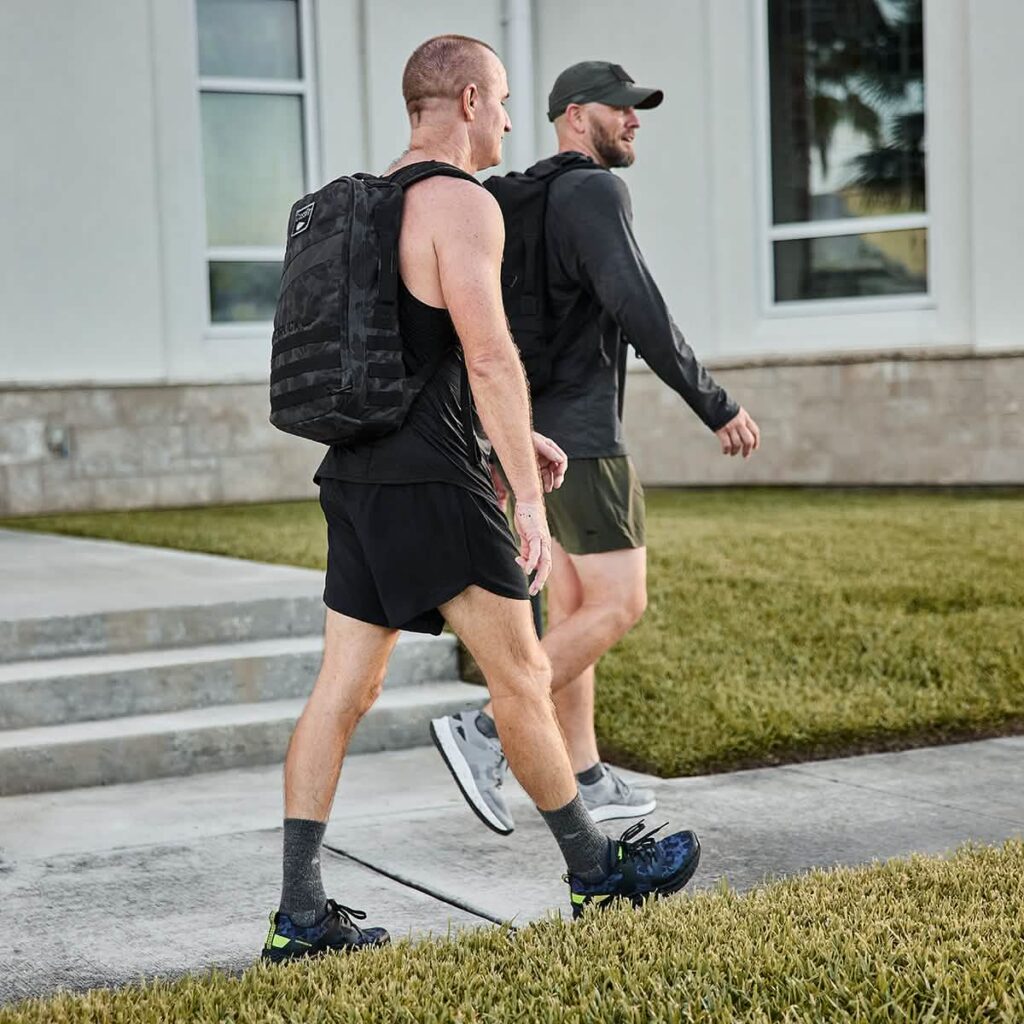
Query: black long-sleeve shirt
[(591, 247)]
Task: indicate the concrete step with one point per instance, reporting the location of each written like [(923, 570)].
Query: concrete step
[(59, 691), (116, 631), (206, 739)]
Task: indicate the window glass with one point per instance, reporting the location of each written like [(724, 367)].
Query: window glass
[(846, 108), (243, 291), (249, 38), (252, 151), (849, 266)]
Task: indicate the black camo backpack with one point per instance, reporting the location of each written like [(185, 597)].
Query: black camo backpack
[(523, 198), (336, 372)]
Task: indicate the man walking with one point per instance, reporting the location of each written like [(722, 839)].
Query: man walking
[(414, 536), (597, 280)]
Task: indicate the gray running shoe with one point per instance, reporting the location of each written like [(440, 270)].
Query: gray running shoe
[(613, 797), (478, 766)]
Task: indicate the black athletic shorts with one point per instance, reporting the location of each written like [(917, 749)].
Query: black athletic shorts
[(395, 552)]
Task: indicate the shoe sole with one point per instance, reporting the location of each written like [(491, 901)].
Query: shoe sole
[(609, 812), (667, 889), (274, 956), (448, 748)]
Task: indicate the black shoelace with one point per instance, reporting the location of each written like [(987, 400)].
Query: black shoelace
[(643, 849), (348, 915)]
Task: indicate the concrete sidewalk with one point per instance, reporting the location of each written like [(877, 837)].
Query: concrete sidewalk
[(103, 886)]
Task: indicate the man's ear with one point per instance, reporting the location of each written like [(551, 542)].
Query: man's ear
[(575, 116), (470, 99)]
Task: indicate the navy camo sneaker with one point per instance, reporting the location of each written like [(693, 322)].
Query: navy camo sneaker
[(335, 932), (643, 868)]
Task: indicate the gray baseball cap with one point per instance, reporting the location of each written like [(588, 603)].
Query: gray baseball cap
[(598, 81)]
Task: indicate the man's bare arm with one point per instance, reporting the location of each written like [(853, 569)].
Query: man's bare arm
[(469, 243)]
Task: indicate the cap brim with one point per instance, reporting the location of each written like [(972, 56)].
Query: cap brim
[(634, 96)]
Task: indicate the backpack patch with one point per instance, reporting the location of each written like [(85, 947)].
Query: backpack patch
[(302, 219)]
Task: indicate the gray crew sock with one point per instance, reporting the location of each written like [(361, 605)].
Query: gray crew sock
[(302, 893), (485, 725), (591, 775), (587, 850)]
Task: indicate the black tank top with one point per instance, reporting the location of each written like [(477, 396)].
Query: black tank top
[(433, 445)]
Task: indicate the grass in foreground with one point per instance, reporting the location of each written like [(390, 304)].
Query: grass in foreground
[(783, 625), (910, 941)]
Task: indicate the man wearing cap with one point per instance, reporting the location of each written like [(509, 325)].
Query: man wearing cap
[(599, 284)]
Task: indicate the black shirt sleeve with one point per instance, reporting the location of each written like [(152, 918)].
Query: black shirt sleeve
[(595, 218)]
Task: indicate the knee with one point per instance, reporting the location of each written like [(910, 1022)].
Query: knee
[(629, 610), (529, 677), (367, 696), (638, 605), (348, 696)]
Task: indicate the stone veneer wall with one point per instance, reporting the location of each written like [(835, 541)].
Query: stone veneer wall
[(905, 419), (898, 420), (142, 447)]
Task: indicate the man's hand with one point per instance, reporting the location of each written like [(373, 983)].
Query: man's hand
[(535, 542), (551, 461), (740, 434)]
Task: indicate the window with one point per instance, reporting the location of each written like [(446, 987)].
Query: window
[(847, 202), (258, 133)]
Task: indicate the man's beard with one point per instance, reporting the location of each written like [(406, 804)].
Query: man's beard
[(610, 148)]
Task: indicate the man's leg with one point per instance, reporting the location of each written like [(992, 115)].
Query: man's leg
[(574, 701), (349, 682), (593, 601), (350, 678), (596, 581), (574, 705), (500, 635), (613, 592)]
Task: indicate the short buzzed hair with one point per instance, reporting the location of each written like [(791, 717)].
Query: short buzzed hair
[(441, 68)]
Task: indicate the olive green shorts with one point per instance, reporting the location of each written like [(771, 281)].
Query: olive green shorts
[(599, 507)]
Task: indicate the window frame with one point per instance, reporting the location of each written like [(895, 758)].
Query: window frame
[(306, 89), (770, 232)]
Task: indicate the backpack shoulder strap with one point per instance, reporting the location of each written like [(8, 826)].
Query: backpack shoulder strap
[(561, 164), (409, 175)]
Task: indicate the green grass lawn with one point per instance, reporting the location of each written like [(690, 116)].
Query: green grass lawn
[(923, 940), (783, 625)]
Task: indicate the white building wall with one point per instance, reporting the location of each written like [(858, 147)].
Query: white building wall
[(103, 272), (995, 144), (80, 287), (102, 196)]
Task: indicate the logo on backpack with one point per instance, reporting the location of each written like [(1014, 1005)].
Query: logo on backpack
[(302, 219)]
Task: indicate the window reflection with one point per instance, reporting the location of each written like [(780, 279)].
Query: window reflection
[(253, 156), (849, 266), (846, 108), (241, 292)]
